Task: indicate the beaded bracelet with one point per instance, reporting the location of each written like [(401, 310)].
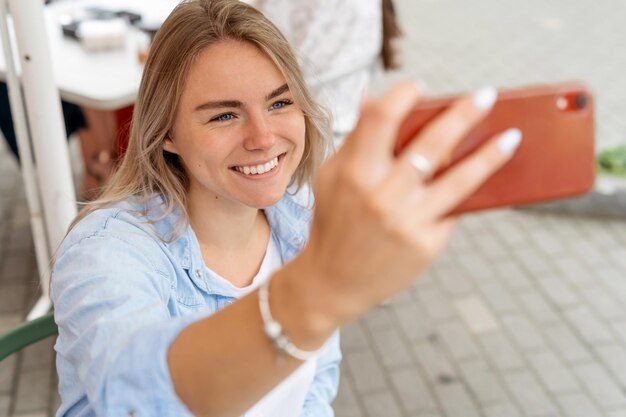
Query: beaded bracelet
[(274, 331)]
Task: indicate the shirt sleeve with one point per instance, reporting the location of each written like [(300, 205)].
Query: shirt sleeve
[(110, 300), (325, 383)]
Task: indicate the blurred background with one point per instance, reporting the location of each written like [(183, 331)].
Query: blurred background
[(523, 315)]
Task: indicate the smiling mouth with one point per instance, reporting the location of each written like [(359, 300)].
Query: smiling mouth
[(259, 168)]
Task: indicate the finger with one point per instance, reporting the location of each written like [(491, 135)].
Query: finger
[(449, 190), (432, 147), (375, 134)]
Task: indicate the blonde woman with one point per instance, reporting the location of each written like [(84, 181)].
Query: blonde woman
[(189, 287)]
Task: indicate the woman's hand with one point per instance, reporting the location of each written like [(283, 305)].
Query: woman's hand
[(379, 220)]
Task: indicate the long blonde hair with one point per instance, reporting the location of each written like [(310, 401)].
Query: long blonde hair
[(147, 169)]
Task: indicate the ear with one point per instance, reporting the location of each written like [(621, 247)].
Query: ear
[(169, 145)]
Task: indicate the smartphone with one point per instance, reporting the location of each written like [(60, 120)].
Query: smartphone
[(555, 159)]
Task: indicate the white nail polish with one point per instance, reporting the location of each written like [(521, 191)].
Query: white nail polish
[(509, 140), (485, 97)]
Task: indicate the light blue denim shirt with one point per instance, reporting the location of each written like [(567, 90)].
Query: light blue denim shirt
[(122, 295)]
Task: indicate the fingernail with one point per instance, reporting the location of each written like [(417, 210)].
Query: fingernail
[(485, 97), (509, 140)]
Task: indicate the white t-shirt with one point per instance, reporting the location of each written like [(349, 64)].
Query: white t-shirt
[(286, 399)]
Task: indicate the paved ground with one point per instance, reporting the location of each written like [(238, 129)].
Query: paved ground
[(523, 315)]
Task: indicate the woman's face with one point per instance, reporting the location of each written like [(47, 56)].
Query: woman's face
[(238, 131)]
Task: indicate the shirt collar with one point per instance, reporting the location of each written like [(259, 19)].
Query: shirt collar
[(289, 223)]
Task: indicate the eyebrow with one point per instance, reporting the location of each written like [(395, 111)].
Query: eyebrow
[(236, 103)]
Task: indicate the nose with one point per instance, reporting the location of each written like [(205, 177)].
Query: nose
[(259, 134)]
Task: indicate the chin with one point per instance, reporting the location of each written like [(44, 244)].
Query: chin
[(261, 202)]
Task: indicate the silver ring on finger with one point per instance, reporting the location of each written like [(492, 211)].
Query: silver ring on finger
[(421, 165)]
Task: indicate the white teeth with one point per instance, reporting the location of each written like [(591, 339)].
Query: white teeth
[(258, 169)]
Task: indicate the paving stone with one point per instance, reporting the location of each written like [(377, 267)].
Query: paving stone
[(510, 233), (618, 256), (436, 304), (513, 275), (547, 243), (435, 363), (9, 320), (612, 279), (381, 404), (366, 372), (523, 332), (17, 269), (574, 271), (532, 260), (353, 337), (33, 390), (558, 291), (578, 405), (501, 352), (454, 280), (553, 372), (619, 328), (457, 340), (346, 403), (588, 326), (602, 387), (490, 246), (568, 344), (482, 382), (413, 321), (379, 318), (476, 315), (415, 395), (392, 348), (536, 306), (20, 241), (588, 253), (501, 410), (476, 267), (12, 298), (499, 298), (5, 404), (39, 355), (614, 358), (603, 303), (529, 395), (8, 367), (455, 400)]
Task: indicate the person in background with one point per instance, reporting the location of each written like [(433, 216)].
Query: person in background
[(195, 285), (340, 45)]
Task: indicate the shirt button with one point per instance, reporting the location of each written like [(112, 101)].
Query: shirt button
[(198, 274)]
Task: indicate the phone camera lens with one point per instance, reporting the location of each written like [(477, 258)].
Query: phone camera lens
[(581, 101)]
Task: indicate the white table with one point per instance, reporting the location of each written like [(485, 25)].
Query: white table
[(103, 80)]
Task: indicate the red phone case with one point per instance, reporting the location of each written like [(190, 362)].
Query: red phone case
[(555, 159)]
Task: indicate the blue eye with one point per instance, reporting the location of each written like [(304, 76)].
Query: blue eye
[(223, 117), (281, 104)]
